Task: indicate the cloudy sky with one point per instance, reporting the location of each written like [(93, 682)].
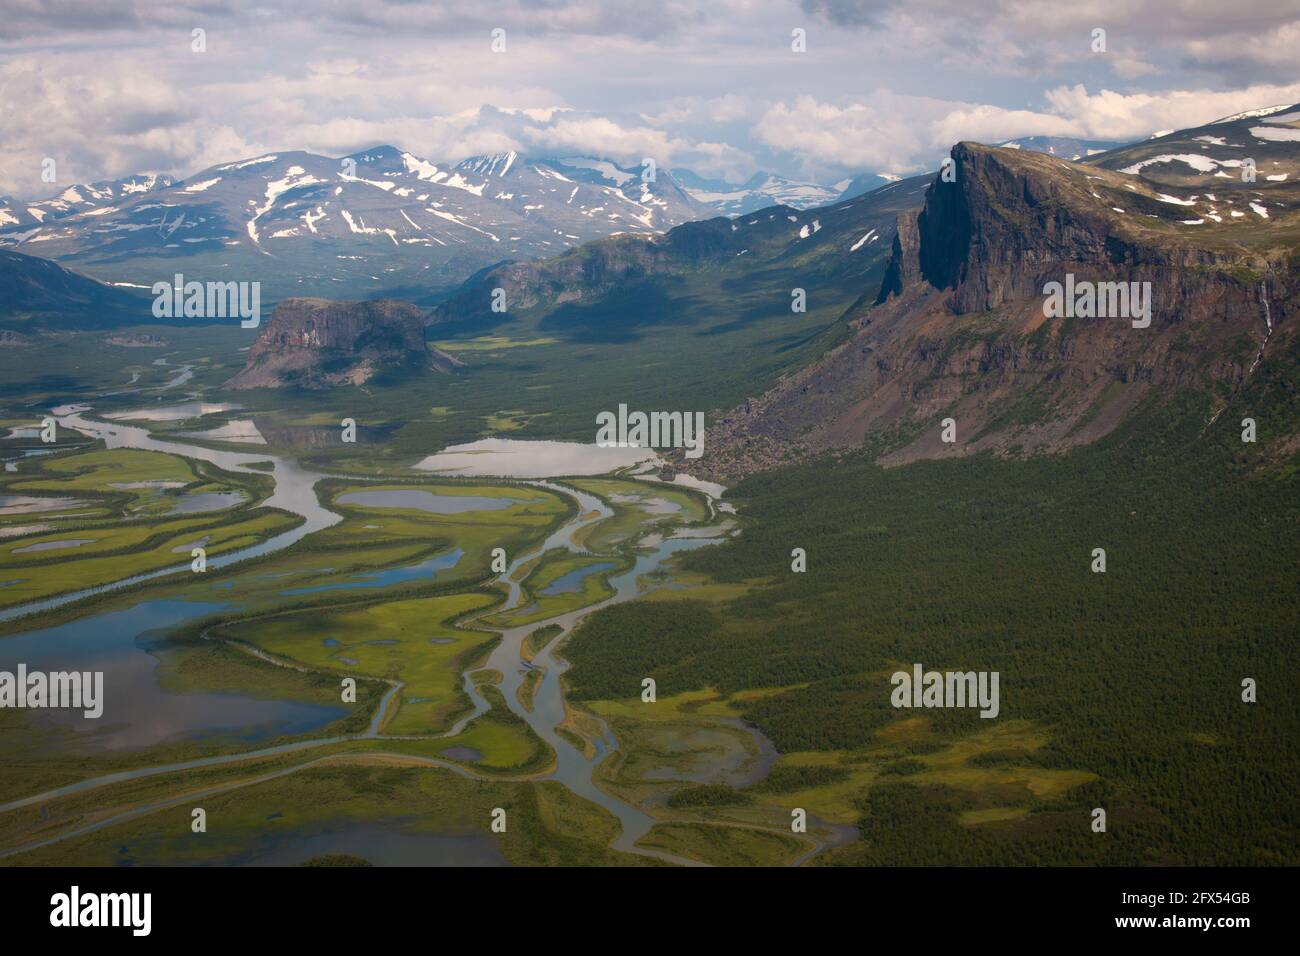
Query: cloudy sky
[(109, 88)]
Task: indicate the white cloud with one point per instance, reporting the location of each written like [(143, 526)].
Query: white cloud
[(1239, 42), (1238, 54), (695, 109), (710, 86), (629, 144), (883, 134), (894, 133), (993, 124), (1073, 111), (1111, 115)]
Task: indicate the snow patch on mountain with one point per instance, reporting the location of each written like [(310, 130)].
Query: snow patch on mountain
[(865, 239), (295, 176), (1252, 114), (451, 217), (249, 162), (358, 225), (423, 169), (1275, 134), (1202, 164)]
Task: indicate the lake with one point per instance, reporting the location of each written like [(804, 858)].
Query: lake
[(507, 458), (138, 711)]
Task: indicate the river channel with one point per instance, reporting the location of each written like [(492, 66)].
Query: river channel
[(294, 492)]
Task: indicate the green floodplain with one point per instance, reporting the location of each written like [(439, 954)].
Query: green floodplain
[(1119, 690)]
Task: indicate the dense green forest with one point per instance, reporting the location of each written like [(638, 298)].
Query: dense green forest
[(984, 564)]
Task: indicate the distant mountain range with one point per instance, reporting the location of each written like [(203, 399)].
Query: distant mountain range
[(373, 222), (84, 198), (599, 292), (758, 192), (381, 222)]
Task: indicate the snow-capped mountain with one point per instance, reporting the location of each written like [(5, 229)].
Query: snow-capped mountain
[(864, 183), (1064, 147), (81, 198), (595, 190), (759, 192), (379, 221), (384, 221), (1240, 171)]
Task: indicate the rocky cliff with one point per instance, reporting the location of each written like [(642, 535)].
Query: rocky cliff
[(315, 343), (958, 329)]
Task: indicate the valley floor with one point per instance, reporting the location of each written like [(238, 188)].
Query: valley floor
[(500, 635)]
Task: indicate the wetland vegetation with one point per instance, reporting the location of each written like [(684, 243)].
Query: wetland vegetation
[(480, 688)]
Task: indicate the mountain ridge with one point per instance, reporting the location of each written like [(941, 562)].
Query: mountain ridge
[(365, 224), (380, 222), (38, 293), (958, 328)]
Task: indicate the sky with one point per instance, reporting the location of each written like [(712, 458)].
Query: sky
[(109, 89)]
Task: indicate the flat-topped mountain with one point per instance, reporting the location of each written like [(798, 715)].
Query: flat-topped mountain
[(960, 330), (315, 343)]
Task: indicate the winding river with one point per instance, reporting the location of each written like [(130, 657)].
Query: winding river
[(294, 491)]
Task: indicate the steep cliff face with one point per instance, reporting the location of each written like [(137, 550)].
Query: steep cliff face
[(1011, 223), (314, 343), (959, 328), (904, 266)]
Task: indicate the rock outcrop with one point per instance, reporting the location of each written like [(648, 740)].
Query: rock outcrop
[(959, 329), (315, 343)]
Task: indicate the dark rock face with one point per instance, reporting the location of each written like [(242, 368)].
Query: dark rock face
[(904, 258), (959, 327), (944, 231), (314, 343), (1007, 226)]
